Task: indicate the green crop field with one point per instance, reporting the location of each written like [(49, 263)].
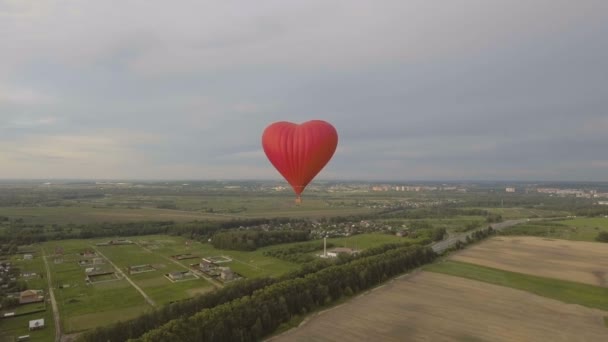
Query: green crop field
[(565, 291)]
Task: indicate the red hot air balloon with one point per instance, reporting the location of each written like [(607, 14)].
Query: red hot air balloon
[(299, 152)]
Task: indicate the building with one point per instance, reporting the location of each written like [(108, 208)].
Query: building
[(30, 296), (28, 257), (333, 253), (206, 265), (176, 275), (226, 274), (37, 324), (510, 189)]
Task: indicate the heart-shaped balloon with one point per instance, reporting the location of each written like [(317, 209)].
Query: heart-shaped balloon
[(299, 152)]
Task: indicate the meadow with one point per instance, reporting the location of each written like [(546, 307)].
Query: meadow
[(576, 229), (182, 208)]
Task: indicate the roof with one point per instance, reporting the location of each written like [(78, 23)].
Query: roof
[(341, 250), (29, 293), (37, 323)]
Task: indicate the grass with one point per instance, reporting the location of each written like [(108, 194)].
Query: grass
[(79, 299), (580, 229), (565, 291), (18, 326), (515, 213), (187, 208), (10, 328)]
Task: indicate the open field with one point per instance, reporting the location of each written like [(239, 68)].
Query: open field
[(183, 209), (584, 262), (83, 306), (433, 307), (515, 213), (562, 290), (579, 229)]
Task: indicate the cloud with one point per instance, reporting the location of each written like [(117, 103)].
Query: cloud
[(416, 89)]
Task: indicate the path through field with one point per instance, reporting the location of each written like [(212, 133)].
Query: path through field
[(146, 297), (56, 316)]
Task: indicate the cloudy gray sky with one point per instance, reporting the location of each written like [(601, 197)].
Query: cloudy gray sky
[(417, 89)]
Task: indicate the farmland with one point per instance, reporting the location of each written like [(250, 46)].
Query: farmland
[(565, 291), (584, 262), (430, 306)]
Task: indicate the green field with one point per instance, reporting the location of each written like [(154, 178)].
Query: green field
[(515, 213), (183, 209), (565, 291), (10, 328), (83, 306), (579, 229)]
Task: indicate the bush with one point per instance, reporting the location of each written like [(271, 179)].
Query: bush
[(602, 237)]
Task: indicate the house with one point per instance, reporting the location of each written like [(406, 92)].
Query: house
[(402, 233), (176, 275), (88, 253), (30, 296), (226, 274), (28, 257), (37, 324), (206, 265), (97, 261), (333, 253), (27, 274)]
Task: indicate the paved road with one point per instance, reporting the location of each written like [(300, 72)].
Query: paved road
[(445, 244), (53, 302), (146, 297)]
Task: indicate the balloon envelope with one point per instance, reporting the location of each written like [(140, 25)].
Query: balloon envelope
[(299, 152)]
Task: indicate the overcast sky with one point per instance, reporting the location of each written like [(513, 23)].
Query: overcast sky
[(417, 89)]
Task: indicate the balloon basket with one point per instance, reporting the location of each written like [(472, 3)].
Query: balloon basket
[(298, 200)]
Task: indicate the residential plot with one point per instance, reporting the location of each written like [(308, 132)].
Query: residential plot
[(32, 272), (584, 262), (83, 304), (434, 307), (153, 281)]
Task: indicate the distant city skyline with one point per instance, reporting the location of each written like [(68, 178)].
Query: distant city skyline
[(465, 90)]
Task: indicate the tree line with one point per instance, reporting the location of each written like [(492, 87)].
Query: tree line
[(299, 253), (250, 240), (18, 232)]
